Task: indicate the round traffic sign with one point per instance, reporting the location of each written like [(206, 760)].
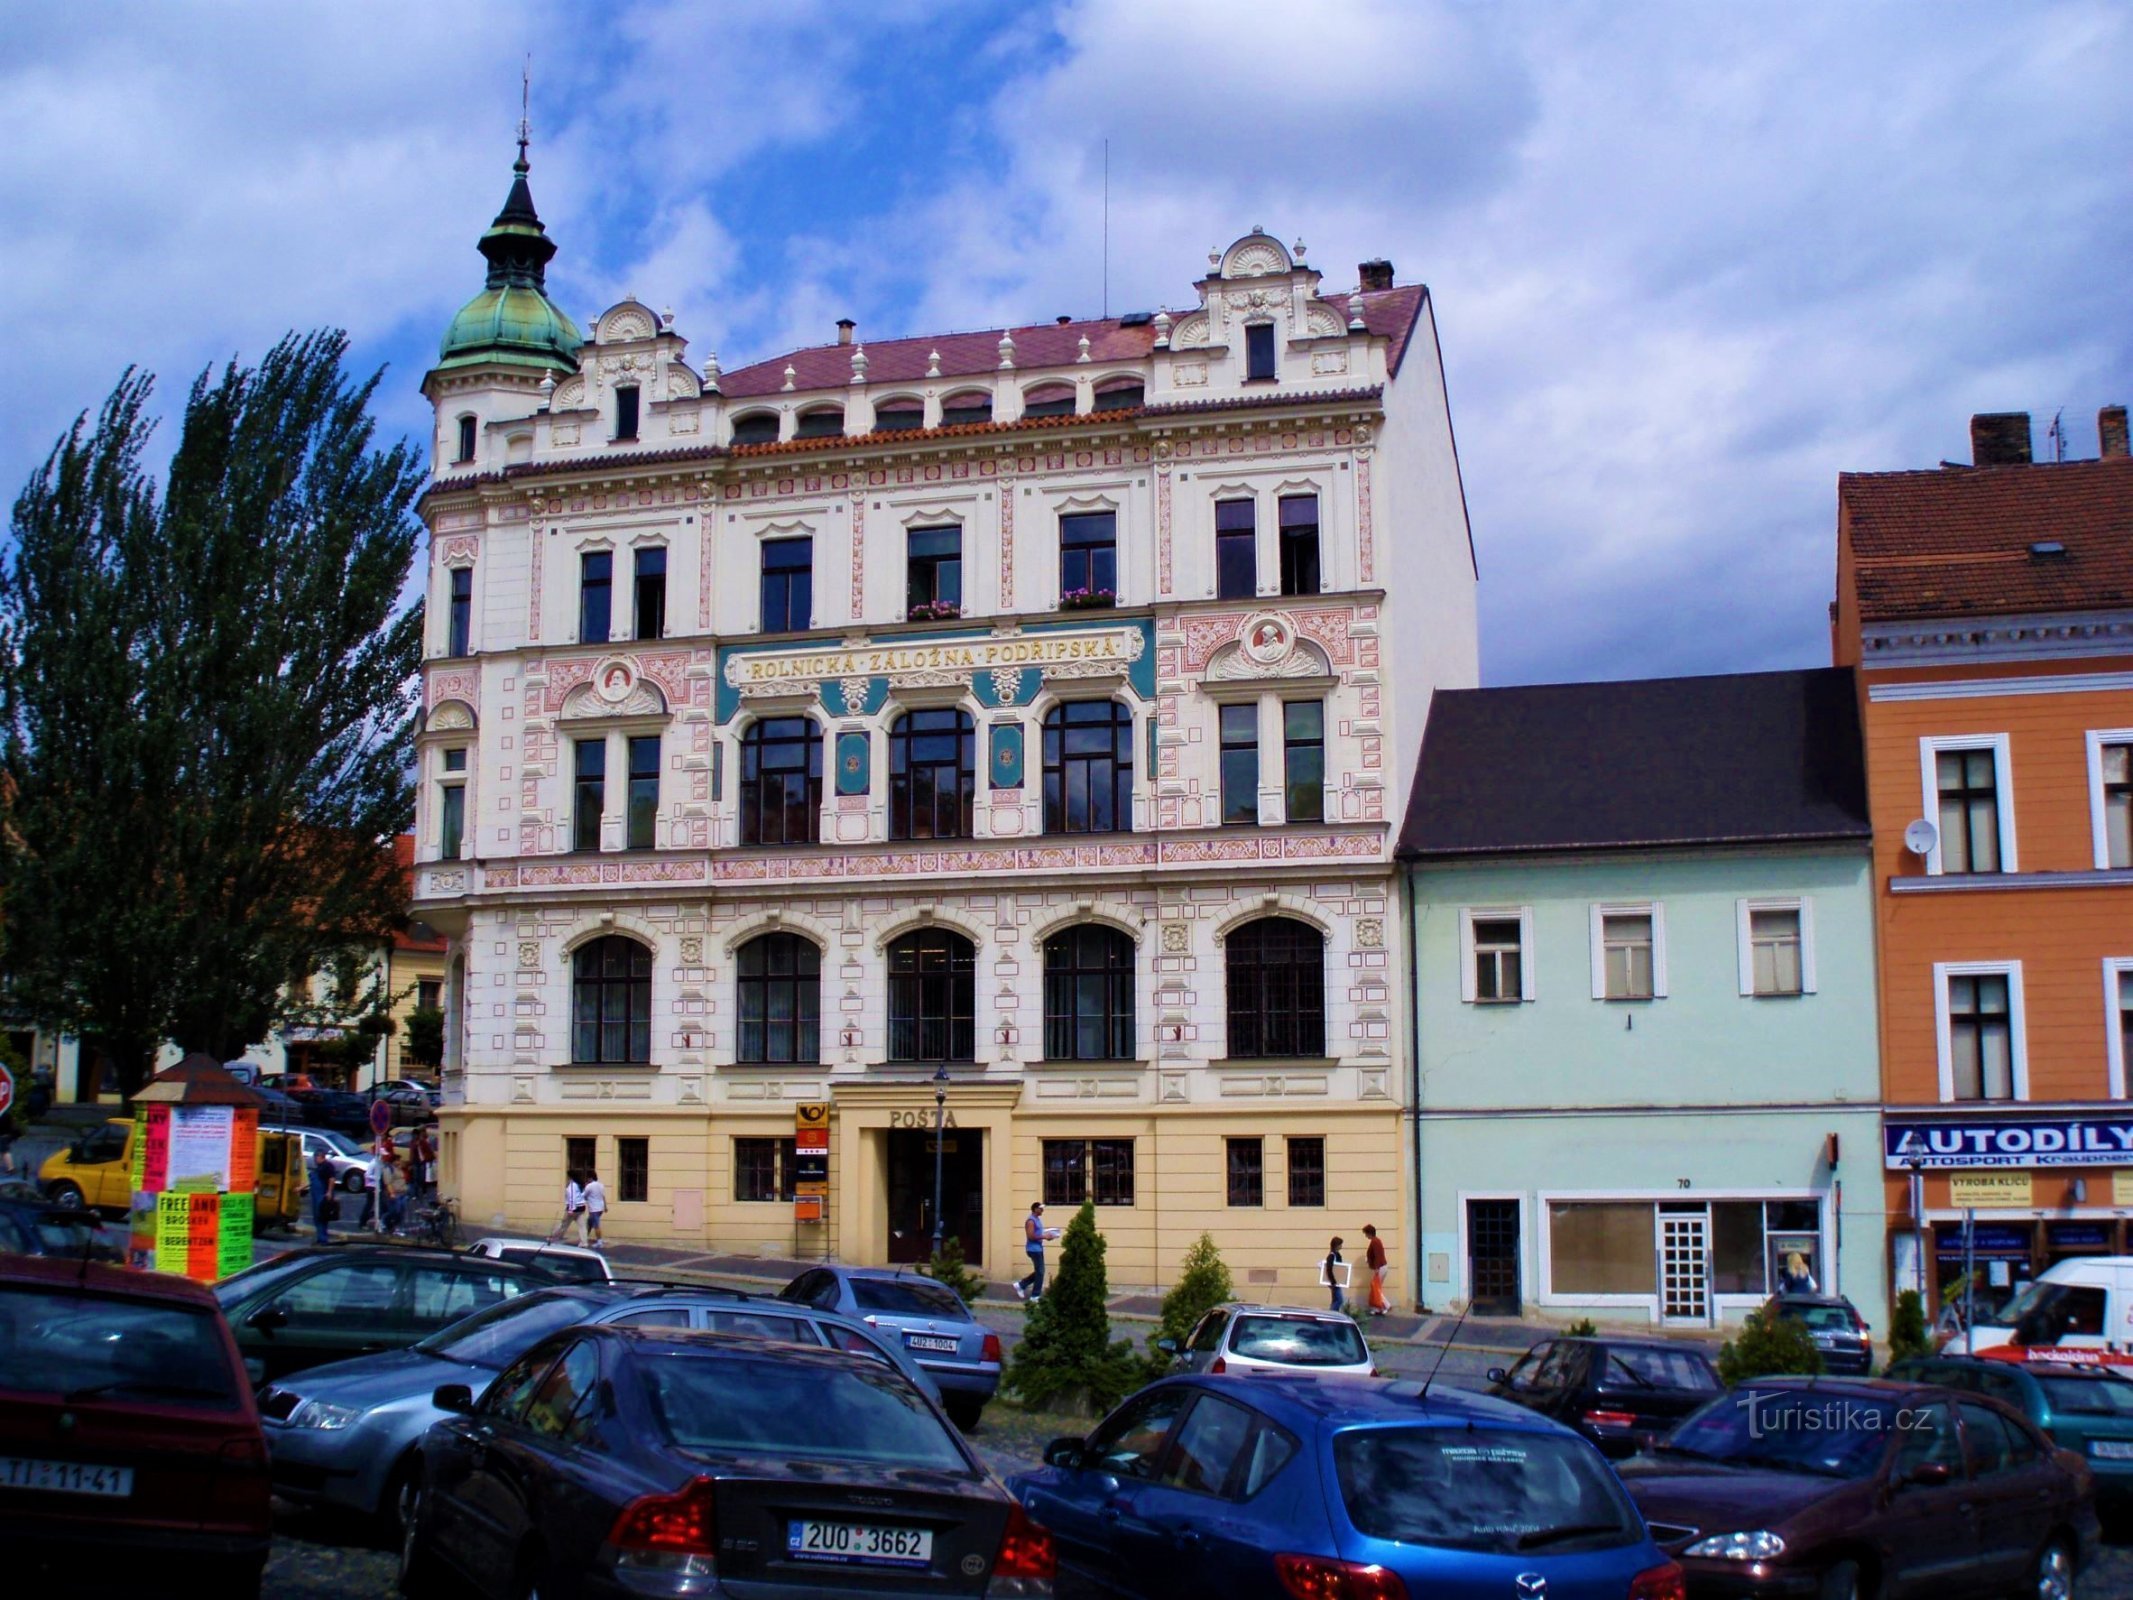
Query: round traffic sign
[(7, 1090), (381, 1116)]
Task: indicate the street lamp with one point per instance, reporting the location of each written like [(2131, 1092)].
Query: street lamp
[(940, 1123)]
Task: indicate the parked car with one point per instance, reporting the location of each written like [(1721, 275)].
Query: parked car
[(1292, 1485), (39, 1228), (961, 1353), (348, 1161), (328, 1302), (1622, 1394), (2075, 1305), (655, 1461), (1850, 1488), (1246, 1338), (336, 1109), (568, 1261), (1840, 1334), (129, 1446), (95, 1172), (344, 1435), (409, 1104), (2086, 1409)]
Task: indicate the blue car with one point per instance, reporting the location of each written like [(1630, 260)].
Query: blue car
[(1281, 1486), (959, 1353)]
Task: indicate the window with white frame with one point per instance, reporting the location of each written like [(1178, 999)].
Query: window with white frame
[(1629, 952), (1978, 1010), (2111, 795), (1497, 964), (1776, 947), (2118, 1019), (1969, 795)]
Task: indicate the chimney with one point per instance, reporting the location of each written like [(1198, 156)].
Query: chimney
[(2111, 431), (2000, 439), (1376, 274), (1062, 321), (845, 325)]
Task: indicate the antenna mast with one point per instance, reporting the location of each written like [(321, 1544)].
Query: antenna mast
[(1107, 227), (525, 105)]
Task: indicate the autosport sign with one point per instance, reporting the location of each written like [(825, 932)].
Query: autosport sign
[(2087, 1141)]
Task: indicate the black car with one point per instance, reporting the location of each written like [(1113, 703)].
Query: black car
[(1833, 1322), (39, 1228), (336, 1109), (328, 1302), (612, 1461), (1622, 1394)]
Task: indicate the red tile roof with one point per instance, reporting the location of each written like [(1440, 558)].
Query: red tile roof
[(1958, 541), (416, 935), (1390, 313)]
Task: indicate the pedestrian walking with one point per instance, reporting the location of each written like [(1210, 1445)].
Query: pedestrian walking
[(392, 1197), (1332, 1272), (573, 1206), (595, 1208), (321, 1190), (381, 1160), (1034, 1233), (1374, 1258)]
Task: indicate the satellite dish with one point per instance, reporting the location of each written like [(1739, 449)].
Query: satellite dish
[(1921, 837)]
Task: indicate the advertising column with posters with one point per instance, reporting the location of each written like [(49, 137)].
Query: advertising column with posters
[(195, 1171), (810, 1179)]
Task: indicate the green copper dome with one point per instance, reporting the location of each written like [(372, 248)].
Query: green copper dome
[(512, 320)]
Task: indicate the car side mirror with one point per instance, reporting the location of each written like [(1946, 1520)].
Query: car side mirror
[(1930, 1475), (1063, 1453), (1497, 1375), (269, 1317), (454, 1399), (1169, 1347)]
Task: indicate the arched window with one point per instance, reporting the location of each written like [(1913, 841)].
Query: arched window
[(1277, 989), (933, 987), (900, 414), (757, 427), (932, 775), (1088, 767), (1088, 994), (781, 782), (780, 999), (1122, 393), (971, 405), (823, 422), (1048, 400), (611, 1002)]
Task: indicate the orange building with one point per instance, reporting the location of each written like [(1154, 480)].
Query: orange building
[(1989, 612)]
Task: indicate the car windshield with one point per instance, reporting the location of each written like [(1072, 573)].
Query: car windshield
[(2088, 1397), (902, 1297), (83, 1346), (1631, 1366), (1791, 1430), (1822, 1319), (339, 1142), (555, 1263), (1298, 1341), (497, 1335), (745, 1405), (2037, 1297), (1479, 1489)]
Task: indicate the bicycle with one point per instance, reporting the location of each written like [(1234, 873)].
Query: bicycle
[(438, 1224)]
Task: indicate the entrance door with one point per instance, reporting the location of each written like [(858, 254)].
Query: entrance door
[(1492, 1257), (962, 1176), (1685, 1264)]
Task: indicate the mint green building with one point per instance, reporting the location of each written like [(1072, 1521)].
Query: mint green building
[(1646, 1068)]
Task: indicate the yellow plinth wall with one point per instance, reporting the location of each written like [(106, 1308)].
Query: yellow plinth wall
[(506, 1168)]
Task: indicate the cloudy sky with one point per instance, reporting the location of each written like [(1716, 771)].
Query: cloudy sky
[(1689, 261)]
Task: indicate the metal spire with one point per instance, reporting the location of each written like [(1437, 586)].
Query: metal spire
[(525, 103)]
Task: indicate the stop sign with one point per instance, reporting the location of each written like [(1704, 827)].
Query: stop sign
[(7, 1090)]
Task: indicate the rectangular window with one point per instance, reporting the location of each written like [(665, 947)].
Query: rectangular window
[(451, 819), (625, 412), (455, 760), (1244, 1160), (1303, 759), (1774, 951), (633, 1169), (466, 440), (2120, 977), (1088, 1169), (644, 791), (589, 793), (1299, 544), (1601, 1248), (580, 1155), (1307, 1172), (652, 592), (429, 994), (1240, 763), (1626, 955), (1259, 350), (1236, 550), (1499, 960), (460, 635), (2113, 768), (788, 585), (596, 584), (1980, 1036), (1088, 559), (763, 1169), (1967, 788), (934, 573)]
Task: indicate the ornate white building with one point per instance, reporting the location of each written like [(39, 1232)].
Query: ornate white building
[(1031, 709)]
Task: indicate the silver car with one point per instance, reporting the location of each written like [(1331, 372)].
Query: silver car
[(344, 1435), (927, 1320)]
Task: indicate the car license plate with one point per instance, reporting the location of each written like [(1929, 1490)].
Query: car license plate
[(859, 1544), (65, 1477), (927, 1341), (1825, 1341), (2111, 1449)]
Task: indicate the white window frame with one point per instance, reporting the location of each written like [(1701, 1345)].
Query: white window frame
[(2114, 1035), (2002, 748), (462, 780), (1744, 921), (2017, 1023), (2096, 739), (1601, 910), (1469, 963)]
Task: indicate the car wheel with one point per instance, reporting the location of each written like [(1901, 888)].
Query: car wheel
[(65, 1194), (963, 1410), (419, 1577), (2052, 1578), (396, 1506), (1841, 1582), (352, 1181)]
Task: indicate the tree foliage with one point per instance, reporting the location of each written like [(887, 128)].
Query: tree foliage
[(949, 1269), (1203, 1283), (1767, 1346), (425, 1037), (206, 708), (1067, 1357), (1907, 1328)]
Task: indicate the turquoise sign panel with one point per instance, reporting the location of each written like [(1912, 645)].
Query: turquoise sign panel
[(1007, 686), (852, 763), (1005, 759)]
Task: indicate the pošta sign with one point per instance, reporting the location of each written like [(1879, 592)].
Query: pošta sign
[(2104, 1140)]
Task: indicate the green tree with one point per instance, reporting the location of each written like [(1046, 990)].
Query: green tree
[(425, 1037), (206, 708), (1067, 1357), (1767, 1346), (949, 1269), (1203, 1284), (1907, 1328)]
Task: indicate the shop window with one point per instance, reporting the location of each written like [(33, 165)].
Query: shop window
[(1088, 995), (932, 775), (763, 1169), (1601, 1247), (596, 586), (1967, 784), (1088, 767), (460, 632), (1236, 550), (633, 1164), (1088, 1169), (788, 587), (1299, 544), (1240, 763), (651, 586), (932, 997), (1276, 989), (779, 999), (611, 1002), (1737, 1260), (588, 792), (1628, 953), (1303, 760), (1245, 1171), (781, 782), (1307, 1171), (1496, 960)]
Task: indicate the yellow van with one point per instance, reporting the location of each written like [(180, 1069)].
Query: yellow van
[(96, 1171)]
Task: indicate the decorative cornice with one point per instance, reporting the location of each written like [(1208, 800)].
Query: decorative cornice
[(1989, 882), (1950, 641), (1993, 688)]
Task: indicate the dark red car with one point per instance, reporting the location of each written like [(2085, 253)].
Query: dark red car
[(129, 1444)]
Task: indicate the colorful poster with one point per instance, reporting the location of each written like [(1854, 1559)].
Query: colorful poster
[(151, 1150), (233, 1251), (244, 1150), (200, 1144), (203, 1226), (141, 1232), (173, 1241)]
